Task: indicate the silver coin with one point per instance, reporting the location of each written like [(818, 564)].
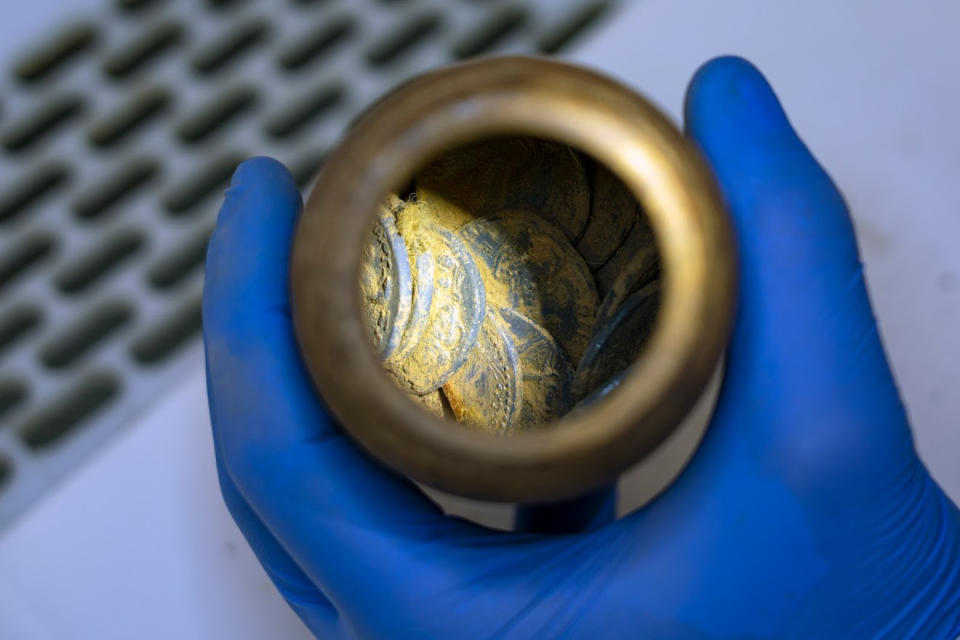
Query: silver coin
[(423, 286), (456, 310), (385, 284), (545, 369), (602, 391), (616, 345), (530, 266), (487, 392)]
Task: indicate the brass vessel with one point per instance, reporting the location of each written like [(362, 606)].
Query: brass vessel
[(529, 97)]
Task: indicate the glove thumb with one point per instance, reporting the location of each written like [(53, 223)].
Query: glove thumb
[(806, 368)]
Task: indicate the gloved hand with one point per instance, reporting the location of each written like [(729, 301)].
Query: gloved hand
[(805, 513)]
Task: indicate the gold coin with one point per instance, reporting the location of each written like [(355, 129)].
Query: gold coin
[(613, 210), (484, 178), (486, 393), (528, 265)]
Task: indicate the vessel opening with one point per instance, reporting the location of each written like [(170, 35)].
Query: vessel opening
[(512, 281)]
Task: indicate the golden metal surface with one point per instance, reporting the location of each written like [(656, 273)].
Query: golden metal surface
[(533, 98)]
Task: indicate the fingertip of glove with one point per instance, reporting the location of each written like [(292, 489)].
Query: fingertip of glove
[(261, 169), (730, 92), (262, 181), (258, 214), (261, 190)]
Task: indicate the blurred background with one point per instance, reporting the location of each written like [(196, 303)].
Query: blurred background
[(120, 124)]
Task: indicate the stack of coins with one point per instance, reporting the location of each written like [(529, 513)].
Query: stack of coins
[(482, 291)]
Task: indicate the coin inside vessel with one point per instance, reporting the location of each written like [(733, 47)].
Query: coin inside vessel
[(487, 392), (432, 402), (642, 268), (385, 288), (638, 239), (457, 304), (613, 212), (545, 371), (616, 344), (422, 284), (529, 266)]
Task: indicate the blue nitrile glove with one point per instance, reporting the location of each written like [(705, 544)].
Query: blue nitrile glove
[(804, 514)]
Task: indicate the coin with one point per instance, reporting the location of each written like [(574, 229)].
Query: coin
[(545, 369), (640, 270), (528, 265), (457, 306), (601, 391), (385, 285), (423, 285), (613, 210), (432, 402), (484, 178), (638, 238), (615, 346), (487, 392)]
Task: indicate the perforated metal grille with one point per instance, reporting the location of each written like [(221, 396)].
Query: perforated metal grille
[(118, 135)]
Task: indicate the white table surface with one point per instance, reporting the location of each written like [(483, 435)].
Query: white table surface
[(138, 542)]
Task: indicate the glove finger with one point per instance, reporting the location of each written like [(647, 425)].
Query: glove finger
[(320, 497), (805, 341), (301, 594), (306, 600)]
